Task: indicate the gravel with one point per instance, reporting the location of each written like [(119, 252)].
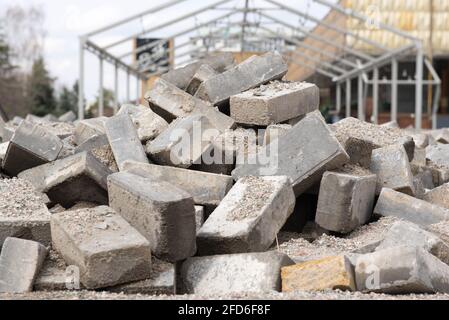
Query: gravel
[(381, 136), (253, 199), (299, 249), (18, 199)]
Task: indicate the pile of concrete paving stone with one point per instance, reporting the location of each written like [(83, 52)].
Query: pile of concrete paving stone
[(114, 202)]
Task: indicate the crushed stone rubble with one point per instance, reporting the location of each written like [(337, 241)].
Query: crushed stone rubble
[(290, 207)]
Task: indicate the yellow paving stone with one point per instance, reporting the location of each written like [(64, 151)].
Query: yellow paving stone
[(331, 273)]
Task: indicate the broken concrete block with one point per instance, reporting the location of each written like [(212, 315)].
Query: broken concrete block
[(20, 263), (421, 140), (62, 130), (438, 156), (181, 77), (199, 217), (161, 282), (124, 141), (105, 248), (56, 275), (69, 116), (147, 123), (86, 129), (228, 150), (274, 103), (419, 158), (361, 138), (171, 102), (440, 173), (105, 155), (161, 212), (237, 273), (30, 147), (442, 136), (95, 142), (249, 217), (183, 143), (23, 213), (7, 133), (393, 203), (77, 178), (409, 234), (295, 155), (205, 72), (274, 132), (401, 270), (249, 74), (440, 229), (346, 200), (207, 189), (392, 167), (332, 273), (438, 196)]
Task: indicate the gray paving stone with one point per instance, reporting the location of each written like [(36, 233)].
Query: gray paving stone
[(20, 263), (161, 212), (105, 248)]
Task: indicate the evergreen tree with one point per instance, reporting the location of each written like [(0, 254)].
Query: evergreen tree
[(68, 100), (40, 90), (5, 55)]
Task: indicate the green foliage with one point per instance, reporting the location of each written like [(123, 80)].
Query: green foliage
[(68, 99), (108, 103), (40, 90)]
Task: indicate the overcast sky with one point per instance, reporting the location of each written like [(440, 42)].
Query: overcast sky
[(66, 20)]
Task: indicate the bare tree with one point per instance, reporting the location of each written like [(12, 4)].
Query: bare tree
[(25, 33)]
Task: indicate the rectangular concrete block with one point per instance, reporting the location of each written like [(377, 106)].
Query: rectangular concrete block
[(401, 270), (77, 178), (249, 74), (161, 282), (30, 147), (69, 116), (86, 129), (409, 234), (274, 103), (183, 143), (420, 212), (181, 77), (237, 273), (147, 123), (332, 273), (392, 167), (274, 132), (438, 158), (171, 102), (93, 143), (23, 213), (361, 138), (206, 188), (249, 217), (20, 263), (205, 72), (124, 140), (438, 196), (105, 248), (295, 155), (161, 212), (346, 200)]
